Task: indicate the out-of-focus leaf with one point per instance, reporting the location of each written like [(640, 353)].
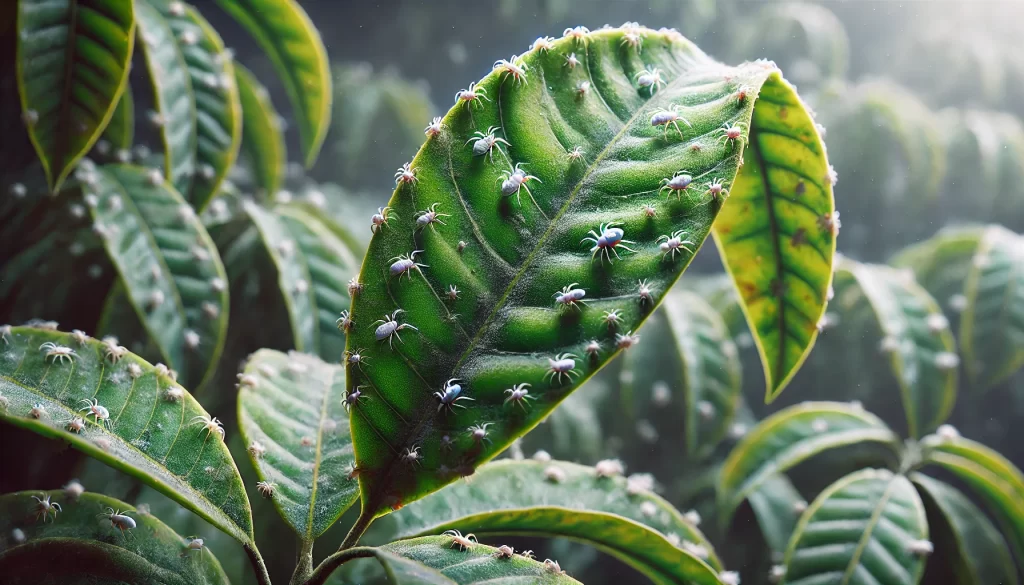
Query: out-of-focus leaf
[(777, 507), (121, 129), (262, 139)]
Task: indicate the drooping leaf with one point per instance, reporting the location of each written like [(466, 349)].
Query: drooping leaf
[(777, 235), (73, 58), (977, 552), (169, 267), (121, 130), (917, 339), (218, 109), (153, 433), (76, 548), (861, 530), (777, 507), (284, 31), (292, 407), (173, 94), (789, 437), (999, 483), (561, 499), (992, 325), (500, 327), (262, 139)]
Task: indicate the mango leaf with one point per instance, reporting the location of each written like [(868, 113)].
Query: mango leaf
[(291, 413), (218, 109), (777, 507), (921, 349), (286, 34), (561, 499), (152, 429), (169, 267), (73, 58), (941, 264), (789, 437), (120, 132), (483, 301), (977, 551), (862, 529), (94, 551), (173, 94), (999, 483), (262, 139), (777, 236), (992, 325)]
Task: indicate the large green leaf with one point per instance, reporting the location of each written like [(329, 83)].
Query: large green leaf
[(992, 325), (262, 139), (120, 132), (218, 109), (777, 506), (169, 268), (293, 44), (999, 483), (789, 437), (559, 499), (75, 548), (977, 552), (153, 433), (867, 528), (917, 339), (777, 236), (173, 94), (291, 413), (72, 66), (503, 327)]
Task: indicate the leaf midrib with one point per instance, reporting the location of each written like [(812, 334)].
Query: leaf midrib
[(64, 117), (868, 530), (324, 405)]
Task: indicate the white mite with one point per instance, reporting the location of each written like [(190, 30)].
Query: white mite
[(403, 265), (649, 79), (676, 184), (670, 245), (644, 292), (479, 433), (571, 61), (247, 380), (716, 188), (405, 174), (582, 88), (112, 351), (210, 425), (485, 143), (453, 292), (799, 507), (578, 34), (612, 318), (512, 182), (706, 410), (174, 394), (698, 550), (543, 44), (669, 117), (191, 339), (946, 360), (609, 468), (731, 133), (729, 577), (626, 340), (958, 303), (947, 433), (937, 323), (57, 352), (380, 219), (832, 176), (648, 509), (134, 370), (472, 96), (412, 456), (776, 573), (354, 287), (155, 178), (76, 424), (570, 297), (542, 456), (463, 542), (639, 483), (193, 544), (118, 520), (693, 517), (819, 426), (256, 449), (266, 488), (554, 474), (74, 490), (345, 322), (355, 357), (504, 552), (593, 348), (562, 366), (830, 223), (518, 395), (44, 508), (516, 70), (79, 336), (607, 239), (389, 327), (921, 547), (434, 127), (95, 409), (889, 344), (430, 216), (576, 154), (553, 567), (632, 39)]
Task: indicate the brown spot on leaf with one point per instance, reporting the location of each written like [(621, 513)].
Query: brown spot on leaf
[(799, 238)]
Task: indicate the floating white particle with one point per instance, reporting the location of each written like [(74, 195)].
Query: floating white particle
[(648, 509)]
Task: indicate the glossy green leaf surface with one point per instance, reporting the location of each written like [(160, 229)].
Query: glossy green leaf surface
[(504, 327), (262, 139), (561, 499), (777, 507), (72, 67), (286, 34), (979, 553), (993, 477), (218, 109), (173, 94), (292, 407), (152, 432), (777, 235), (168, 265), (860, 531), (992, 324), (77, 548), (921, 348), (121, 130), (790, 436)]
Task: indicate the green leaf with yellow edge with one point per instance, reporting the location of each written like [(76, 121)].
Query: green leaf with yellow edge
[(121, 130), (993, 477), (977, 552), (777, 233), (284, 31), (72, 58), (579, 121), (792, 436), (76, 547), (218, 109), (152, 431), (861, 530), (262, 140), (173, 95), (291, 411), (917, 339), (992, 324), (559, 499)]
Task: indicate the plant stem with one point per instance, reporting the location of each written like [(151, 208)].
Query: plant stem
[(304, 562), (362, 523), (320, 575), (258, 566)]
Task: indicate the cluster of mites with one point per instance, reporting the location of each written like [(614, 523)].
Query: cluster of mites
[(44, 510), (91, 407)]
